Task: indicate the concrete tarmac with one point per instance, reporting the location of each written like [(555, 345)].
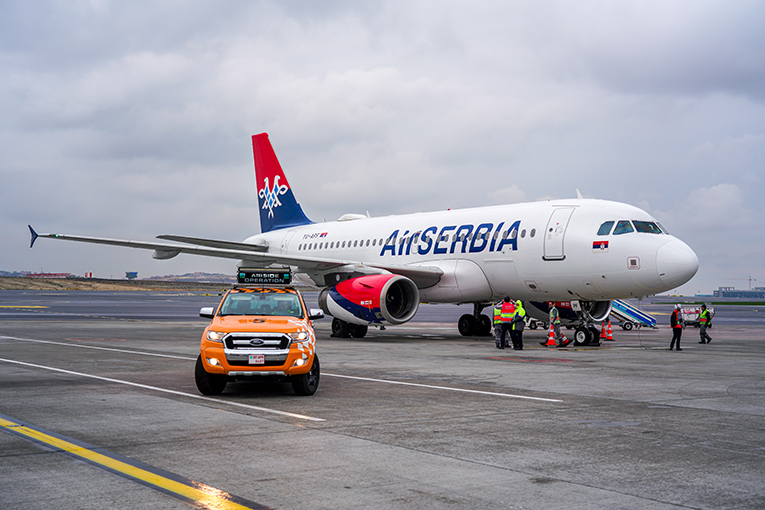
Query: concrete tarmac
[(412, 417)]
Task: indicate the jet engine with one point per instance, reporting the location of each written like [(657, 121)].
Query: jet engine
[(377, 298)]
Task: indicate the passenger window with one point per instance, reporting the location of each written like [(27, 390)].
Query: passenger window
[(647, 227), (623, 227), (533, 232), (605, 228)]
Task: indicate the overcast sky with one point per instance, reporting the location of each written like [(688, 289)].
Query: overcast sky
[(133, 119)]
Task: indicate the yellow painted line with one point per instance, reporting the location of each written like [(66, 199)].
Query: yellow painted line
[(23, 306), (197, 493)]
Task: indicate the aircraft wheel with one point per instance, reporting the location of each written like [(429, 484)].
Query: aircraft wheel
[(627, 326), (358, 331), (340, 329), (208, 384), (484, 325), (582, 336), (467, 325), (307, 384), (595, 340)]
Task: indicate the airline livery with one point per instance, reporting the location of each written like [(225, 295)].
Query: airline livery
[(581, 253)]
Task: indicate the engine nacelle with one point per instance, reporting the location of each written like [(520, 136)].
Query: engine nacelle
[(596, 311), (369, 299)]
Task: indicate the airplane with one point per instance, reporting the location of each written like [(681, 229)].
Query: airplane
[(580, 253)]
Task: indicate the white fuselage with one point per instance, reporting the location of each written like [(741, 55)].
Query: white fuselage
[(537, 251)]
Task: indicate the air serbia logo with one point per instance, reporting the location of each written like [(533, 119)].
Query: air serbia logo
[(271, 196)]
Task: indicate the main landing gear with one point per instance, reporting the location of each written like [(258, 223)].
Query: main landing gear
[(477, 324), (342, 329)]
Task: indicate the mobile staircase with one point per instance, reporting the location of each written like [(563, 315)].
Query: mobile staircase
[(630, 316)]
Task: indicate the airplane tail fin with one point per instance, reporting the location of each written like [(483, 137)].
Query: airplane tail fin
[(278, 207)]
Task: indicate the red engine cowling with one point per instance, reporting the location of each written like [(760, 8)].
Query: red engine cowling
[(377, 298)]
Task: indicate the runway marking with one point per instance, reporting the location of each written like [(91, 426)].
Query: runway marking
[(97, 348), (507, 395), (23, 306), (463, 390), (165, 390), (190, 491)]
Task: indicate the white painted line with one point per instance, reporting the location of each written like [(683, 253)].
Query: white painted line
[(96, 347), (164, 390), (508, 395)]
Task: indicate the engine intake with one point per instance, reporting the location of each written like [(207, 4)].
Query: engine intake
[(372, 299)]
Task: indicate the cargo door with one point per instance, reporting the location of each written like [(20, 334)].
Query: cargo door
[(556, 232)]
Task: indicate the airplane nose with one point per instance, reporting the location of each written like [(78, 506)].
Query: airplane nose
[(676, 263)]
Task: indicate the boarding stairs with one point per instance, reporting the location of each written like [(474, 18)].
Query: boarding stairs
[(631, 316)]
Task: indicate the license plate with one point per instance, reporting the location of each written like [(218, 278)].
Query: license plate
[(257, 359)]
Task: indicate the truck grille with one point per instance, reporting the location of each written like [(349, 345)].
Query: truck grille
[(235, 341)]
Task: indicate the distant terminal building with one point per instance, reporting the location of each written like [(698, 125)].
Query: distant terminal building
[(131, 275), (731, 292), (48, 275)]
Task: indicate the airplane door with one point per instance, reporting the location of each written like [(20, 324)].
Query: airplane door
[(555, 232)]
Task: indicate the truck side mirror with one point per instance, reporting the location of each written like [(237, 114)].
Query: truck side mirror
[(207, 312), (315, 314)]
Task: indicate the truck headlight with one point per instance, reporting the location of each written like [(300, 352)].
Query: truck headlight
[(215, 336), (299, 336)]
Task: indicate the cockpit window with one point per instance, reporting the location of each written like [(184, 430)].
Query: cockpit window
[(605, 228), (663, 229), (647, 227), (623, 227)]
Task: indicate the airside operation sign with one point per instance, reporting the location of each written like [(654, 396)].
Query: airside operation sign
[(264, 276)]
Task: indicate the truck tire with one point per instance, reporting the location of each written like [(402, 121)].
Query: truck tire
[(307, 384), (208, 384)]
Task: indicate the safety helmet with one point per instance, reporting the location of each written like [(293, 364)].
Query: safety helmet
[(518, 303), (677, 307)]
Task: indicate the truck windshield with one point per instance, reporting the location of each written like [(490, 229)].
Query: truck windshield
[(262, 302)]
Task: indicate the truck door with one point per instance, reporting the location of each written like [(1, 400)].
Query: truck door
[(555, 232)]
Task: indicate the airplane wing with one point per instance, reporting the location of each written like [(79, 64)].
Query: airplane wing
[(422, 276)]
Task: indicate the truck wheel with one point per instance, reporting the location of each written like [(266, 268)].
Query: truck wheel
[(627, 326), (307, 384), (533, 325), (208, 384)]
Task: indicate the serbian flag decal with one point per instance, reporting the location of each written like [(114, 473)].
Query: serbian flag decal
[(599, 246)]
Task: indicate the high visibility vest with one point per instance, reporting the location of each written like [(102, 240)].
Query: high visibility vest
[(519, 311), (554, 317), (497, 314), (704, 317), (508, 310)]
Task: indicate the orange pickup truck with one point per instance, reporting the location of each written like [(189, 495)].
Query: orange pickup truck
[(259, 331)]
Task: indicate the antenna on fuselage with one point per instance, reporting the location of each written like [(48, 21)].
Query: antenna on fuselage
[(579, 195)]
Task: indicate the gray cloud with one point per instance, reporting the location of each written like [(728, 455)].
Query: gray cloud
[(133, 119)]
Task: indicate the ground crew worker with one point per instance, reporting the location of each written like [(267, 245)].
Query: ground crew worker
[(555, 322), (677, 323), (506, 317), (498, 324), (705, 321), (519, 321)]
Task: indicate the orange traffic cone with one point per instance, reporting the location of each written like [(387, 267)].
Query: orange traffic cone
[(610, 336), (564, 341), (550, 337), (602, 331)]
